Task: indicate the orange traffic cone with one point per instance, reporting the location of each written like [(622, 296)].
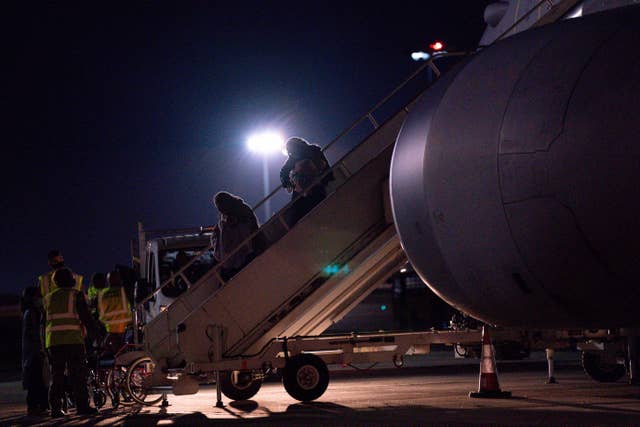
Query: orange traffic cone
[(488, 385)]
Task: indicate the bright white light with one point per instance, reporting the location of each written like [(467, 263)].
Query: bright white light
[(265, 142), (420, 56), (403, 270)]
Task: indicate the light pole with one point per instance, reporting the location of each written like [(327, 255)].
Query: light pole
[(265, 143)]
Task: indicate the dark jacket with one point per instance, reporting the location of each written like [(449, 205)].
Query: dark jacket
[(302, 152), (33, 354), (236, 223), (234, 207)]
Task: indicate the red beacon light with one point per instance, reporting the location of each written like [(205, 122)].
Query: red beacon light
[(436, 46)]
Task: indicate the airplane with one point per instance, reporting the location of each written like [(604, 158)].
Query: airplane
[(514, 178), (510, 186)]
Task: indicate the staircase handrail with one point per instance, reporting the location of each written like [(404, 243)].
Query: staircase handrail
[(278, 216)]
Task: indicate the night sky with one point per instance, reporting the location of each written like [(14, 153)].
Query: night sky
[(118, 113)]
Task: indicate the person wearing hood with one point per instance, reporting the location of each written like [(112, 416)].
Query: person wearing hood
[(236, 222), (305, 164), (35, 367)]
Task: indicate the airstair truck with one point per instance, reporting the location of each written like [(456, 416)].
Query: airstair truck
[(270, 314)]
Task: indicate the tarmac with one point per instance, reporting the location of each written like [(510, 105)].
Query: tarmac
[(432, 390)]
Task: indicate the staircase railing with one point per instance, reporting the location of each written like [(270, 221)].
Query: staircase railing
[(339, 166)]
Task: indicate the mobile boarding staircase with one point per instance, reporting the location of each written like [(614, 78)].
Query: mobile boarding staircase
[(270, 314), (310, 276)]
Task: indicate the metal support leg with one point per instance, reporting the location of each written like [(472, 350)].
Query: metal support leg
[(217, 356), (551, 379), (219, 403), (165, 401), (632, 353)]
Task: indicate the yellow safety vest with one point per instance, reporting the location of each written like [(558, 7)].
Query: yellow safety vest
[(63, 323), (92, 292), (114, 309), (48, 285)]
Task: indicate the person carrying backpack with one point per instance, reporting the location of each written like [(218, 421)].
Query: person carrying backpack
[(305, 163)]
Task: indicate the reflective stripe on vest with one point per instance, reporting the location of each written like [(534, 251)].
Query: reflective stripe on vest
[(63, 323), (92, 292), (63, 328), (45, 283), (114, 310), (48, 285), (78, 278)]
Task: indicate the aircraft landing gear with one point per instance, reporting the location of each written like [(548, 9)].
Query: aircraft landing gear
[(602, 367)]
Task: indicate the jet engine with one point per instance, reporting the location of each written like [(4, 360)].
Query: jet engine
[(515, 179)]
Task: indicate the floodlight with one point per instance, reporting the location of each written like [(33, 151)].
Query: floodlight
[(265, 142)]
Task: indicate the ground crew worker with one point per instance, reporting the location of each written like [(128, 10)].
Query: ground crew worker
[(114, 311), (98, 282), (67, 313), (56, 261)]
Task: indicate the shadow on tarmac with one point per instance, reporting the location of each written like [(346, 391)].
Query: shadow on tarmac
[(71, 420), (323, 414), (246, 406)]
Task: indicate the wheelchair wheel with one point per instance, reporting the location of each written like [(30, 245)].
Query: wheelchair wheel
[(99, 397), (116, 387), (138, 382)]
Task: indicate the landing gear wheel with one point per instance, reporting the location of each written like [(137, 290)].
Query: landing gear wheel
[(305, 377), (238, 385), (138, 375), (600, 370)]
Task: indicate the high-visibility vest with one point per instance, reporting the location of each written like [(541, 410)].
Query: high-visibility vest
[(63, 323), (48, 285), (114, 309), (92, 292)]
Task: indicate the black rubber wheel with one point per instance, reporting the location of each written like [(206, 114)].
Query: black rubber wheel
[(305, 377), (239, 386), (594, 365)]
